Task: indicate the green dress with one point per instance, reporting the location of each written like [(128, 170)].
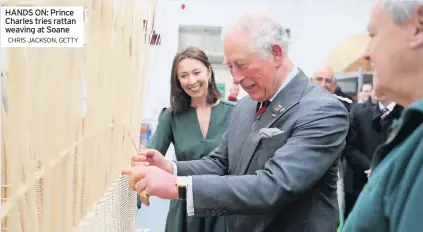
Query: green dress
[(183, 131)]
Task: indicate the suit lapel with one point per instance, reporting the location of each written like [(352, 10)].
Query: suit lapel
[(284, 101)]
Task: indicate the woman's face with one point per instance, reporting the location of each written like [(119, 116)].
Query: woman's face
[(193, 76)]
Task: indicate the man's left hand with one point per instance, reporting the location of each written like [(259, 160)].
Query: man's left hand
[(153, 180)]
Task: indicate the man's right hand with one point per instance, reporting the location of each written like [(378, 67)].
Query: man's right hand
[(152, 157)]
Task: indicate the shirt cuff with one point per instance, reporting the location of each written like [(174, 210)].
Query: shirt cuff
[(190, 199), (175, 168)]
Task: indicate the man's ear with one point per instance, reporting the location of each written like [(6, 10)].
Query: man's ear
[(417, 21), (277, 53)]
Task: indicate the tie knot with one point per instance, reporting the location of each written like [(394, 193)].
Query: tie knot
[(384, 110), (265, 104), (260, 110)]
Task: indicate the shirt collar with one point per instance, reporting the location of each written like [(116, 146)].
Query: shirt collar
[(390, 107), (294, 71)]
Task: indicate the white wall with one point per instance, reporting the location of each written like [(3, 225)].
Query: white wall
[(316, 28)]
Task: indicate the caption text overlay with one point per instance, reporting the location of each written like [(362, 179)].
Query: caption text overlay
[(42, 26)]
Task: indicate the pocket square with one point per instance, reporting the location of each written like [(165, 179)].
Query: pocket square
[(269, 132)]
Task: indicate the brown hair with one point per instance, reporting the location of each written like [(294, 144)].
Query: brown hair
[(180, 101)]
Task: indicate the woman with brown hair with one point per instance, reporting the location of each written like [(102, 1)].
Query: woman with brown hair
[(194, 124)]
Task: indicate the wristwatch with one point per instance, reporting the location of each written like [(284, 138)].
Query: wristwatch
[(181, 183)]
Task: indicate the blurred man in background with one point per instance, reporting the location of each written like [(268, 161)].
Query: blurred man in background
[(325, 78), (364, 95), (369, 129)]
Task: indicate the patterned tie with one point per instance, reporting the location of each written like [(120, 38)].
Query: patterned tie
[(385, 112), (262, 108)]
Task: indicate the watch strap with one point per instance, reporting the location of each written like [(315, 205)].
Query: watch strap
[(182, 188)]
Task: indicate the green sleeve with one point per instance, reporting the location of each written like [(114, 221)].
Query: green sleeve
[(163, 135)]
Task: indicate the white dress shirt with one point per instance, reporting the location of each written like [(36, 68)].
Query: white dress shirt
[(390, 106), (188, 179)]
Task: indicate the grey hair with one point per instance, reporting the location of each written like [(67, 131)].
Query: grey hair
[(401, 10), (263, 31)]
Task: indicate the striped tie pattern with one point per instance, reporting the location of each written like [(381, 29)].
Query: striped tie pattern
[(385, 112)]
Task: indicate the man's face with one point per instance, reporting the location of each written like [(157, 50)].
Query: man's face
[(255, 74), (366, 91), (390, 52), (325, 79)]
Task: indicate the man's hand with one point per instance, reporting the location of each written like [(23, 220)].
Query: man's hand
[(153, 180), (152, 157)]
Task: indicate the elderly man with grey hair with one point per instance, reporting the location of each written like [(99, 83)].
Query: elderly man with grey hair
[(392, 200), (276, 166)]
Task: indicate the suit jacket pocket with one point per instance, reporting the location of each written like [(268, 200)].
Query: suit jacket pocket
[(274, 142), (267, 148)]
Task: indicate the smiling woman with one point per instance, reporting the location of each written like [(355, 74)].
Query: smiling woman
[(194, 124), (192, 80)]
